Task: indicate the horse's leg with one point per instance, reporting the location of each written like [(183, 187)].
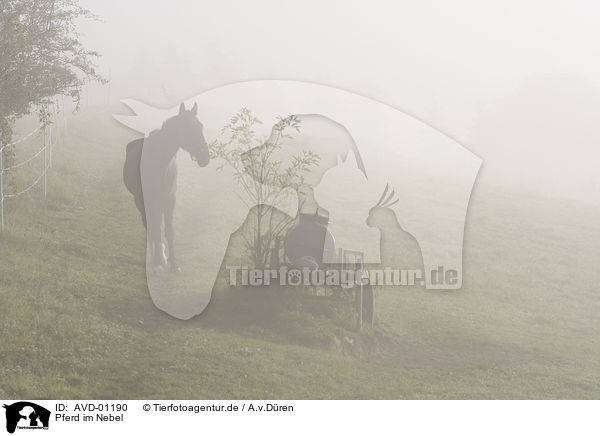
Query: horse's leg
[(139, 203), (170, 233), (154, 238)]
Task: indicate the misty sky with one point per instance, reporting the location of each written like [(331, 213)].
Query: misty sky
[(517, 82)]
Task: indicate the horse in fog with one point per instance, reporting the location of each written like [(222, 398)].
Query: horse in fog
[(150, 174)]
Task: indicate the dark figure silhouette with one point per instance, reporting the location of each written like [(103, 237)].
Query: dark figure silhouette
[(150, 174)]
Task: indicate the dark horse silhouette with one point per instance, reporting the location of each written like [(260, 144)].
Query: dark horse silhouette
[(150, 174)]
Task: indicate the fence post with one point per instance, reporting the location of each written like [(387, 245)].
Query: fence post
[(45, 161), (1, 188), (64, 119), (50, 143)]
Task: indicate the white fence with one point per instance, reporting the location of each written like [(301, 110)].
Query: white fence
[(51, 135)]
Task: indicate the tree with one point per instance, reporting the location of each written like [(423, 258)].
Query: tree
[(263, 178), (40, 57)]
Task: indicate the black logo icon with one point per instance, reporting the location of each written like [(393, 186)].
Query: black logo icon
[(26, 415)]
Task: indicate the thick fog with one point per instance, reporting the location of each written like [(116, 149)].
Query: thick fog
[(517, 83)]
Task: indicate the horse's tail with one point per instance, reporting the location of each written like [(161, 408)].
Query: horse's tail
[(131, 169), (132, 174)]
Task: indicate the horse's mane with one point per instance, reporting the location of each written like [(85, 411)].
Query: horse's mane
[(164, 124)]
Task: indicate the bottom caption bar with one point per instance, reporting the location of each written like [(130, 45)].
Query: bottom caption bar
[(174, 417)]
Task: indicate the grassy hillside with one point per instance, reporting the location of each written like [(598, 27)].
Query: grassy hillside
[(76, 320)]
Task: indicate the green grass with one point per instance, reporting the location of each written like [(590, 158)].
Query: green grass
[(76, 320)]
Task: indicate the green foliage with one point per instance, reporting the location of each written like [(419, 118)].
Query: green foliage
[(262, 174), (40, 57)]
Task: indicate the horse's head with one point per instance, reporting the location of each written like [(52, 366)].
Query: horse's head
[(189, 134)]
